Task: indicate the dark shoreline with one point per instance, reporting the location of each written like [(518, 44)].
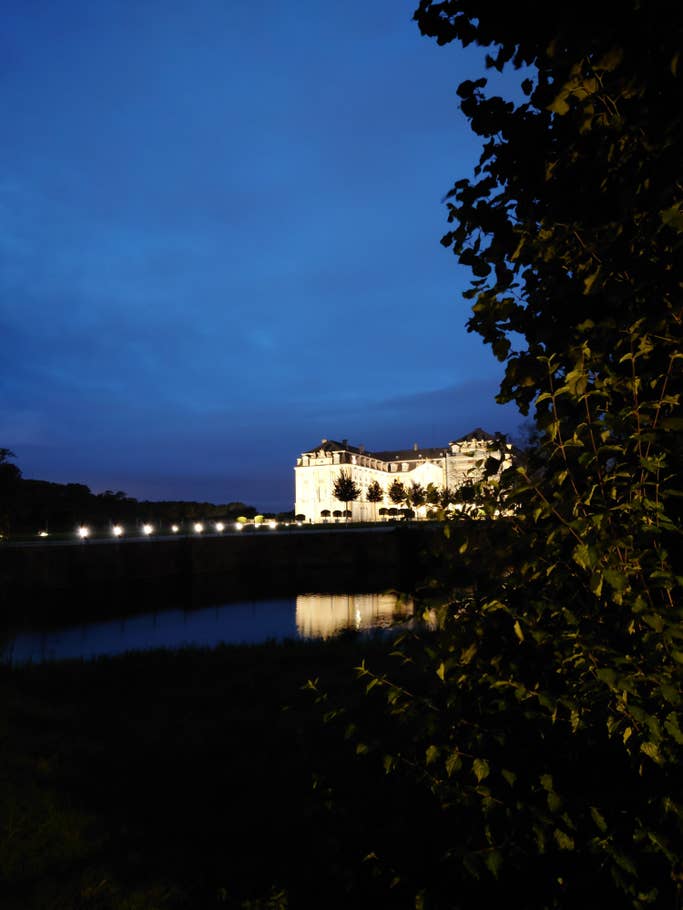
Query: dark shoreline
[(65, 583)]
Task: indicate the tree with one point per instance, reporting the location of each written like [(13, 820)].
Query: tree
[(374, 494), (432, 494), (415, 495), (345, 489), (545, 722), (9, 473), (10, 476), (397, 492)]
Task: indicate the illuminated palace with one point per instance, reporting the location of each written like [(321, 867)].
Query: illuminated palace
[(446, 467)]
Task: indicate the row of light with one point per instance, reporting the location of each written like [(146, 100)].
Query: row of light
[(147, 529)]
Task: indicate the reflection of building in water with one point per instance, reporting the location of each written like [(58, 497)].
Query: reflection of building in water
[(323, 615)]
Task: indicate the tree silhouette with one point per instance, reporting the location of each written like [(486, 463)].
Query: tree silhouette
[(397, 492), (415, 496), (432, 494), (546, 719), (374, 494), (345, 489)]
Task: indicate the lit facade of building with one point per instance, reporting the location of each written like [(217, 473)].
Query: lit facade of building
[(446, 467)]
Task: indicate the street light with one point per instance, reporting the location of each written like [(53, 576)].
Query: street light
[(83, 532), (220, 526), (117, 530), (198, 527), (147, 530)]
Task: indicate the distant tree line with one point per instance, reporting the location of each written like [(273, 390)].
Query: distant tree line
[(27, 506)]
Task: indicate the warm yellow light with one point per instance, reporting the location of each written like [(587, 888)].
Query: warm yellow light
[(117, 530), (42, 533), (199, 527), (83, 532), (174, 529), (220, 526), (147, 529), (239, 526), (272, 525)]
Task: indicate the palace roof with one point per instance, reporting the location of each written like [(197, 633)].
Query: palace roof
[(413, 454)]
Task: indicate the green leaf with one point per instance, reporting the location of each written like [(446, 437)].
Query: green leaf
[(494, 861), (584, 556), (554, 802), (652, 751), (672, 727), (453, 763), (509, 776), (598, 818), (564, 841), (481, 769)]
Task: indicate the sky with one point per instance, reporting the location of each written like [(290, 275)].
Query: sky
[(219, 242)]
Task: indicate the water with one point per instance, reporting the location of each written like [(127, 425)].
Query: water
[(253, 621)]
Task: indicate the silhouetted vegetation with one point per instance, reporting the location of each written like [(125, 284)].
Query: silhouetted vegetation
[(198, 779), (28, 506), (545, 714)]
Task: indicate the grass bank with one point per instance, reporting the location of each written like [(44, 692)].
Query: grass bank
[(195, 779)]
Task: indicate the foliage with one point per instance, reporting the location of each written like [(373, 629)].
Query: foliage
[(374, 492), (178, 780), (415, 495), (397, 492), (10, 476), (546, 716), (432, 494), (29, 505), (345, 489)]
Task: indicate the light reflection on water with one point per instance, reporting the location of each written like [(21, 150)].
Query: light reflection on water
[(304, 616)]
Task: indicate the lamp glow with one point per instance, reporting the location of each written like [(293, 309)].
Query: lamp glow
[(220, 526), (272, 525), (174, 529), (147, 530), (117, 530), (199, 527), (239, 526), (42, 533), (83, 532)]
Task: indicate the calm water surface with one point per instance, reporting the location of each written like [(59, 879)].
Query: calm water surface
[(303, 616)]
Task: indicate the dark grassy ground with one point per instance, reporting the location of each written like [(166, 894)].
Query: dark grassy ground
[(196, 779)]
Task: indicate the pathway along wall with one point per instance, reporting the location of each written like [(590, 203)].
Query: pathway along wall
[(90, 580)]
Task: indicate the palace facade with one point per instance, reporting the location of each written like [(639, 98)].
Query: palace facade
[(446, 467)]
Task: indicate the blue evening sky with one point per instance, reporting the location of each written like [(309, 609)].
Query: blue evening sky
[(219, 242)]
